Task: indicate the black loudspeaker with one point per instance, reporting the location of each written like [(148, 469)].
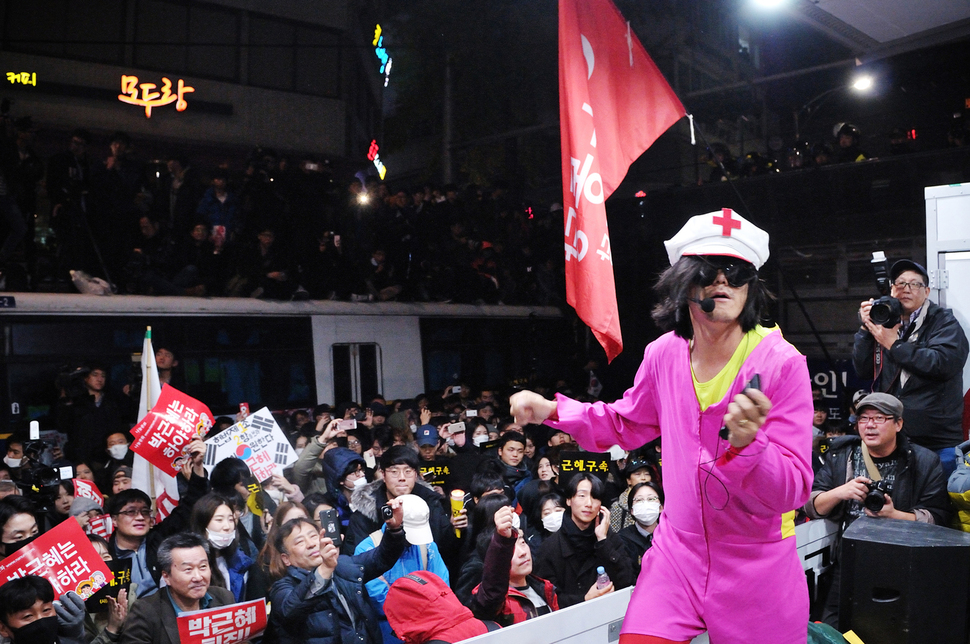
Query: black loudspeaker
[(905, 582)]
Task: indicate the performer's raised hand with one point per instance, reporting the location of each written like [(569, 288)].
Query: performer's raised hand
[(529, 408)]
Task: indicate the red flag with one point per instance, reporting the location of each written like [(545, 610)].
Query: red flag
[(613, 104)]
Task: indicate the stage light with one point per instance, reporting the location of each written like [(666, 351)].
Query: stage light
[(862, 83), (768, 4)]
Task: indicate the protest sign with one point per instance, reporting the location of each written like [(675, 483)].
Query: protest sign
[(436, 472), (88, 490), (63, 556), (256, 439), (163, 434), (223, 625), (101, 525), (98, 602), (572, 463)]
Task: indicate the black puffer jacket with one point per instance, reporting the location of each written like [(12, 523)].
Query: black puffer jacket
[(933, 395), (919, 483)]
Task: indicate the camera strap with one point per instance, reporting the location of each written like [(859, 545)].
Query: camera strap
[(871, 468)]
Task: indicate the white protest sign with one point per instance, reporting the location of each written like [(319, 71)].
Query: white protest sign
[(258, 441)]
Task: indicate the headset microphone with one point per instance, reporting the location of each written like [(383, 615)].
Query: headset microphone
[(707, 304)]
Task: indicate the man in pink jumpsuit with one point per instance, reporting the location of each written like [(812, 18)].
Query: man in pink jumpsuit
[(719, 560)]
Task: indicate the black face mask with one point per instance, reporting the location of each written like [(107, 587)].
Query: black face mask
[(10, 548), (39, 631)]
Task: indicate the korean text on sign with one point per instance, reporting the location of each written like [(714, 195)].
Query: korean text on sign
[(223, 625), (62, 556), (150, 98), (163, 434), (258, 441)]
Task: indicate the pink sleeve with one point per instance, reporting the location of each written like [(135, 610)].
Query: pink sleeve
[(775, 471), (629, 422)]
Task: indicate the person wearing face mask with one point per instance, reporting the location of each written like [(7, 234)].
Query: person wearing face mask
[(344, 471), (421, 554), (509, 592), (231, 565), (645, 503), (18, 526), (30, 615), (118, 456), (14, 457)]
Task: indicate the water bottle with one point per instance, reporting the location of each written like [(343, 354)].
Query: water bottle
[(602, 579)]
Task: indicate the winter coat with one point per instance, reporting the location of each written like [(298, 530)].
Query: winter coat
[(368, 500), (636, 545), (494, 599), (934, 356), (152, 620), (573, 571), (301, 618), (308, 469), (335, 463), (411, 560), (919, 486)]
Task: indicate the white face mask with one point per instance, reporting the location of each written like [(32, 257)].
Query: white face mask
[(414, 428), (552, 522), (646, 512), (298, 450), (220, 540), (276, 495), (361, 482), (118, 452), (478, 440), (12, 462)]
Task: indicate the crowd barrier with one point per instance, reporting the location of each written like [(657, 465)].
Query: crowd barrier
[(599, 621)]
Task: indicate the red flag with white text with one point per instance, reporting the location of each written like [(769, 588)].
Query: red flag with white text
[(613, 104)]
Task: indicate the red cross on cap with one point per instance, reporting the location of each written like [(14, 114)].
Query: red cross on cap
[(726, 222)]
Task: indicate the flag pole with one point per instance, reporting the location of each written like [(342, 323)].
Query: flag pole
[(147, 382)]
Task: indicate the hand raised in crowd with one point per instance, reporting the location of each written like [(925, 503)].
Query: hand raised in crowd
[(745, 416), (529, 408), (503, 521), (460, 522), (117, 612), (425, 415), (291, 491), (330, 431), (330, 554), (368, 418), (194, 456), (397, 520), (70, 615), (602, 528)]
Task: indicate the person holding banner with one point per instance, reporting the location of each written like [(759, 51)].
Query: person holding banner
[(737, 456), (30, 615)]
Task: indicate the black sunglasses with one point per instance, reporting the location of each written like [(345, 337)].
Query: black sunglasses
[(737, 271)]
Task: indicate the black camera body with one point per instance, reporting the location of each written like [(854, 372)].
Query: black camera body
[(876, 497), (887, 310)]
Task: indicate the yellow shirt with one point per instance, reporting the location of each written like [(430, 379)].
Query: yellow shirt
[(714, 390)]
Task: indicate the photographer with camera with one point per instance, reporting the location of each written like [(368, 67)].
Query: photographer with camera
[(877, 473), (915, 350), (88, 413)]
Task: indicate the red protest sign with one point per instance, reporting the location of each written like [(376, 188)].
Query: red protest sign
[(87, 490), (163, 434), (62, 556), (100, 525), (223, 625)]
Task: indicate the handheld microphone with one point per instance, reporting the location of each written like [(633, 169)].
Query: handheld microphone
[(707, 304)]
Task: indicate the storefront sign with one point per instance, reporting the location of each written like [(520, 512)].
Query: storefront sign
[(149, 97)]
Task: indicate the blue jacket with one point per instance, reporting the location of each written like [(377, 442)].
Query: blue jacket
[(297, 618), (409, 561)]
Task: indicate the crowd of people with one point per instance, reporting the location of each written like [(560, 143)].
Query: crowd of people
[(845, 146), (282, 229), (445, 487)]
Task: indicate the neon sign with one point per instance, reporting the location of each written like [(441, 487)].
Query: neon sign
[(149, 98), (376, 158), (24, 78), (382, 55)]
